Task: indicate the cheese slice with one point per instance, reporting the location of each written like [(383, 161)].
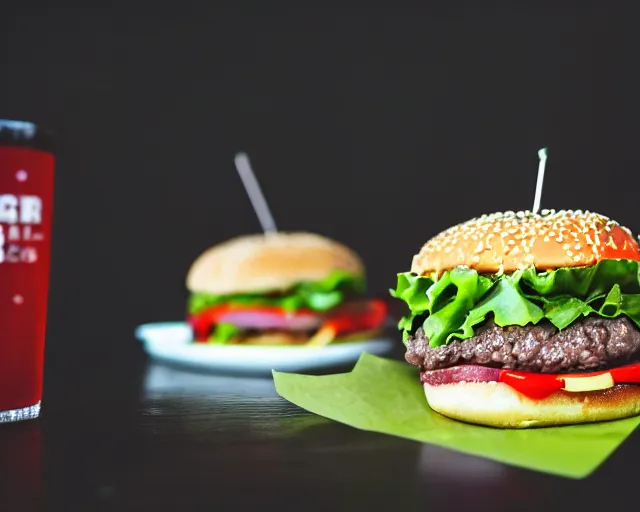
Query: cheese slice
[(591, 383), (323, 337)]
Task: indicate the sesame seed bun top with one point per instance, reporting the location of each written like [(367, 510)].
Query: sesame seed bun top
[(505, 242), (270, 263)]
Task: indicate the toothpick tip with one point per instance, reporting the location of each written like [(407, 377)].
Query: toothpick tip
[(543, 153)]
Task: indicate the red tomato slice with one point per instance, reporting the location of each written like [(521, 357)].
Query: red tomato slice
[(361, 316), (532, 385), (629, 374), (541, 385)]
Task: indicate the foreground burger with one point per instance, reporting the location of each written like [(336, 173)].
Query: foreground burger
[(280, 289), (521, 319)]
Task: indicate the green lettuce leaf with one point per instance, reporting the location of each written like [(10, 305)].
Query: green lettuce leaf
[(318, 296), (449, 307), (222, 333)]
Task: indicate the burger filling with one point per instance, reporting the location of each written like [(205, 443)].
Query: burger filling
[(526, 327), (310, 313)]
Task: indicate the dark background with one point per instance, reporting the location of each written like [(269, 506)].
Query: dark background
[(376, 126)]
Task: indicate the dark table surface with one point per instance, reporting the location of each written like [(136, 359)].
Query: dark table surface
[(140, 435)]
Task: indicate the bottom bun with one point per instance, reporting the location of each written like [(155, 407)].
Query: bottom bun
[(497, 404), (281, 338)]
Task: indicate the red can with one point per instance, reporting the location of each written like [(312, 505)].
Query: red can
[(26, 207)]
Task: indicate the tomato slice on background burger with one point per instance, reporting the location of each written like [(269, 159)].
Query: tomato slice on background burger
[(349, 317)]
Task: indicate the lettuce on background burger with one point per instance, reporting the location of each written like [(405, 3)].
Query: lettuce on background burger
[(520, 319), (280, 289)]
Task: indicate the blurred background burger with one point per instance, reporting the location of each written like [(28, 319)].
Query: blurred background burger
[(281, 289)]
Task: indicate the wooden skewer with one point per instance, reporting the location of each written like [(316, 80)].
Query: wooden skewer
[(255, 194)]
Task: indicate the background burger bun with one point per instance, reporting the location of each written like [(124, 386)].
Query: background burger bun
[(509, 241), (499, 405), (269, 263)]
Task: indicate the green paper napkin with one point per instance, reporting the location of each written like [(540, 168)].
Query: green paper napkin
[(385, 396)]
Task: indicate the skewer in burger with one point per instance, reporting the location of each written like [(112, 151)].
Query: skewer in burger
[(520, 320), (281, 289)]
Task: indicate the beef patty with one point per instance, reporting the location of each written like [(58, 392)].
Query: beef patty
[(589, 344)]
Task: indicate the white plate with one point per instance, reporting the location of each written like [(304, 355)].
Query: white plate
[(172, 342)]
